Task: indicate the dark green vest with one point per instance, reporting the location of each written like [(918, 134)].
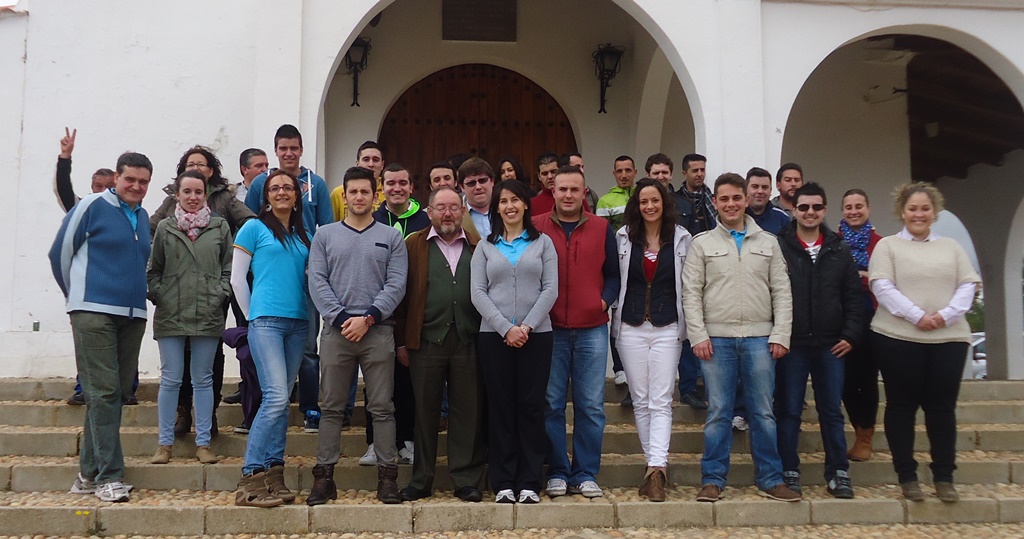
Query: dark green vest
[(448, 299)]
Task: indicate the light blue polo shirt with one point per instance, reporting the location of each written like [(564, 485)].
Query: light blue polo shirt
[(279, 272)]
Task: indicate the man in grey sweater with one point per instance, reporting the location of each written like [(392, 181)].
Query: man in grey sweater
[(357, 277)]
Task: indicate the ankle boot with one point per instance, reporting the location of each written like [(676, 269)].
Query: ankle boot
[(387, 485), (183, 423), (252, 492), (276, 486), (324, 488), (861, 449)]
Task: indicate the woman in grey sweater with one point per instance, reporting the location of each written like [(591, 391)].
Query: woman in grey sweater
[(514, 284)]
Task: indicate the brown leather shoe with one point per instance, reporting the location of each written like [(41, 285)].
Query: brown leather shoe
[(387, 485), (782, 493), (946, 492), (709, 493), (862, 445), (912, 491), (276, 486), (658, 490)]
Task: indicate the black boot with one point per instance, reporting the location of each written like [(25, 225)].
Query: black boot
[(387, 485), (324, 488), (183, 423)]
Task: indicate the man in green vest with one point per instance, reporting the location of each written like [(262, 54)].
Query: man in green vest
[(435, 335)]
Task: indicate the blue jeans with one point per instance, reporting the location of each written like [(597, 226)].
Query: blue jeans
[(172, 370), (309, 371), (582, 356), (749, 359), (827, 374), (276, 344), (689, 370)]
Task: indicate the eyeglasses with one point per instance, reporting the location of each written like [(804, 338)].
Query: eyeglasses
[(805, 207), (196, 165), (469, 184), (452, 209), (285, 188)]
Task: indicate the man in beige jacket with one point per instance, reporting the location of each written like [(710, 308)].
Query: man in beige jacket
[(739, 313)]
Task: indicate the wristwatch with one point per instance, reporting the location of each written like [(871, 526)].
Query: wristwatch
[(369, 320)]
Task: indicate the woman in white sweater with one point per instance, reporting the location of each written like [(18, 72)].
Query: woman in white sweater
[(924, 285)]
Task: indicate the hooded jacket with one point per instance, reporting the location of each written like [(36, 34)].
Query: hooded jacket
[(413, 220)]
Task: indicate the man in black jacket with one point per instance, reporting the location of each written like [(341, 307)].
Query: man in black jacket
[(827, 323)]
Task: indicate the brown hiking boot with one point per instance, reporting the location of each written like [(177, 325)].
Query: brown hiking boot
[(861, 450), (782, 493), (324, 488), (709, 493), (658, 490), (946, 492), (252, 492), (912, 491), (387, 485), (276, 486)]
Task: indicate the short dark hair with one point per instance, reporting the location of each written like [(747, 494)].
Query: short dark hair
[(188, 174), (547, 158), (811, 189), (287, 131), (625, 158), (789, 166), (440, 164), (395, 167), (658, 159), (520, 190), (246, 156), (358, 173), (564, 159), (474, 166), (857, 191), (733, 179), (106, 172), (758, 172), (135, 160), (368, 145), (211, 160), (690, 158), (571, 169)]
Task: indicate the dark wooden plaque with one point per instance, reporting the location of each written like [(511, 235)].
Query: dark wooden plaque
[(478, 20)]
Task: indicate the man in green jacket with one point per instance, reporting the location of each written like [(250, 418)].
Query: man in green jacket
[(612, 206)]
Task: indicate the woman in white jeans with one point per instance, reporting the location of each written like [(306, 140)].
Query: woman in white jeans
[(647, 321)]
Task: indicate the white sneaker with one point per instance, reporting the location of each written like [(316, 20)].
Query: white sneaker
[(85, 486), (740, 424), (505, 496), (114, 491), (405, 454), (620, 378), (528, 496), (370, 458), (556, 487), (589, 489)]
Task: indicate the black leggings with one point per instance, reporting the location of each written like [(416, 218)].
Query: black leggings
[(925, 376), (860, 388)]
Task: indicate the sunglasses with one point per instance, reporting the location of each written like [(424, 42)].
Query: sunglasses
[(469, 184), (805, 207)]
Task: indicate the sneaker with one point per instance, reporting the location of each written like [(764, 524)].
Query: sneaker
[(114, 491), (234, 398), (693, 401), (83, 485), (242, 429), (406, 454), (709, 493), (78, 399), (627, 401), (589, 489), (556, 487), (505, 496), (369, 458), (528, 496), (312, 421), (840, 486), (792, 480), (620, 378), (781, 493), (739, 423)]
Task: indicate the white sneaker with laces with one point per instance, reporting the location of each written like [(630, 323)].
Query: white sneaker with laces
[(620, 378), (114, 491), (505, 496), (369, 458), (528, 496), (406, 454), (556, 487), (83, 485), (740, 424), (589, 489)]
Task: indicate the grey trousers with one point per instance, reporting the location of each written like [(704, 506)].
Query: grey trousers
[(339, 358)]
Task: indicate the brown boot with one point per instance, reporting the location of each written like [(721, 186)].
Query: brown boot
[(324, 489), (252, 492), (861, 449), (645, 486), (183, 423), (658, 490), (276, 486), (387, 485)]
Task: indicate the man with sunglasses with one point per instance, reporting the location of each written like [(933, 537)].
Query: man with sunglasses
[(827, 323), (476, 179)]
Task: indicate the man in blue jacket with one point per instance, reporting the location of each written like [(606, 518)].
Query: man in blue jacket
[(99, 260)]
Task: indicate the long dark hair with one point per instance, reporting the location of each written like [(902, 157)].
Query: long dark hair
[(268, 218), (211, 160), (635, 221), (497, 225), (518, 168)]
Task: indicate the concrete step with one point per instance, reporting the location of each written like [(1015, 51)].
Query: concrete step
[(189, 513), (686, 438), (36, 474)]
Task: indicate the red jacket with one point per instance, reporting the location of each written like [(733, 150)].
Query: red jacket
[(580, 280)]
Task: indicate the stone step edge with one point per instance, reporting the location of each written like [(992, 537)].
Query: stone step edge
[(90, 518)]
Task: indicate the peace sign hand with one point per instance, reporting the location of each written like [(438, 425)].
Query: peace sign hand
[(67, 144)]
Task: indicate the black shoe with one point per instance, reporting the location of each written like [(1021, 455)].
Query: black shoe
[(132, 401), (411, 494), (183, 423), (627, 401), (78, 399), (840, 486), (324, 488), (469, 494), (214, 427), (234, 398), (693, 401)]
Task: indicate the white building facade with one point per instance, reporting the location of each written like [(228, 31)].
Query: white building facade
[(745, 82)]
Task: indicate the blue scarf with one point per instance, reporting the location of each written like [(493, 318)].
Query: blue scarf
[(858, 241)]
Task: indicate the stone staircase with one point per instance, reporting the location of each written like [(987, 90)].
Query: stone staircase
[(39, 438)]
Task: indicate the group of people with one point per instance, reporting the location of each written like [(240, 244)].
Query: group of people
[(493, 302)]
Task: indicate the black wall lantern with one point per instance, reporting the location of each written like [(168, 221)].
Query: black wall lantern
[(355, 61), (607, 62)]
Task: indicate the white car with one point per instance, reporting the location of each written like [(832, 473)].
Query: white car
[(977, 367)]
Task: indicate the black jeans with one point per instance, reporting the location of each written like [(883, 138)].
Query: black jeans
[(925, 376)]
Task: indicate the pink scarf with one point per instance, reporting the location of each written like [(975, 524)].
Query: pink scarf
[(192, 223)]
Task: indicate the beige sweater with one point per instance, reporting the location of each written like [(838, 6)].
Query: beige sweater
[(928, 273)]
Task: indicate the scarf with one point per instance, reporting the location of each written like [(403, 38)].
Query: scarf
[(858, 241), (703, 206), (192, 223)]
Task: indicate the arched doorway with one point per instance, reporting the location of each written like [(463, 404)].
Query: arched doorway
[(477, 109)]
